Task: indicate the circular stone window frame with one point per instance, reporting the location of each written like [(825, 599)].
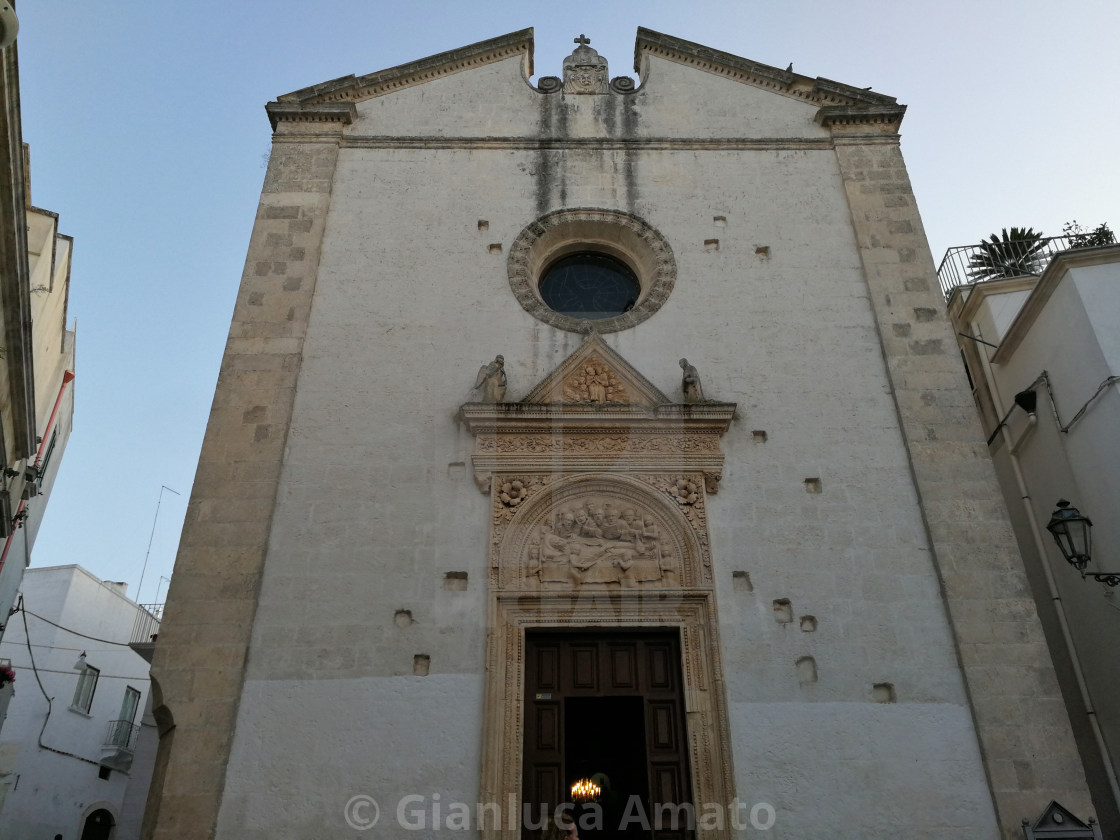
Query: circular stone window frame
[(588, 229)]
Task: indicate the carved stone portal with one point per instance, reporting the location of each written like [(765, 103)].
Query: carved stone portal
[(598, 518)]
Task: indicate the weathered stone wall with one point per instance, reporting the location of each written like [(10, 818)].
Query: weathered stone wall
[(204, 642), (834, 533), (1025, 735)]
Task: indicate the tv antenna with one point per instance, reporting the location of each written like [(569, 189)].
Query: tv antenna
[(155, 518)]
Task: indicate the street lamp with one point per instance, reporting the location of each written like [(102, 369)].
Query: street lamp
[(1073, 533)]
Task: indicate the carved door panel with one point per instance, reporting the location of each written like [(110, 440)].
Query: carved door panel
[(542, 778), (666, 747), (609, 704)]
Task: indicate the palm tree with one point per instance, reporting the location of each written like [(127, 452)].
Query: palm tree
[(1011, 253)]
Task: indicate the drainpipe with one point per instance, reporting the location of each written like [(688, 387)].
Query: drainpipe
[(67, 378), (1051, 585)]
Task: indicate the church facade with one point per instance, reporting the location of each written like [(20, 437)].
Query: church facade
[(598, 440)]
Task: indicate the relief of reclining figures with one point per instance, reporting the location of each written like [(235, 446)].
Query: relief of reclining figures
[(591, 543)]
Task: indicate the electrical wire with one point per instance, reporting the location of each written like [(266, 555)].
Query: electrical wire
[(1044, 378), (50, 703), (101, 676), (24, 609), (1112, 380)]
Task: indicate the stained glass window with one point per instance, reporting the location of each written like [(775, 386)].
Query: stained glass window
[(589, 285)]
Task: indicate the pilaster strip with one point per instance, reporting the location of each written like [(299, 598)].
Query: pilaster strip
[(1025, 738), (199, 663)]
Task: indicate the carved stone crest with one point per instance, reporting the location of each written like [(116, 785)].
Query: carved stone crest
[(585, 71)]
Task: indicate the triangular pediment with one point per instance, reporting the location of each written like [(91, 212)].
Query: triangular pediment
[(339, 94), (596, 374), (1057, 821), (334, 100), (596, 413), (818, 91)]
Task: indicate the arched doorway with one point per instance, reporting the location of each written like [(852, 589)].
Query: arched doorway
[(98, 826)]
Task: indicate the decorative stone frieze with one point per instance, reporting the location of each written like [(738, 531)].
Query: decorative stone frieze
[(545, 433)]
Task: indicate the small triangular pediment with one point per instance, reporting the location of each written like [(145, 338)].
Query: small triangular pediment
[(596, 374), (1057, 821)]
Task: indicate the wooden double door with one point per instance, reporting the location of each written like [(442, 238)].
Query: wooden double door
[(607, 707)]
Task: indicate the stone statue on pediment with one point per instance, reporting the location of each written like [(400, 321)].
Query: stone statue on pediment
[(491, 381), (690, 383)]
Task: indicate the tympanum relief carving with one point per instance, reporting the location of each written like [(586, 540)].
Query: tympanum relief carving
[(595, 382), (594, 541), (593, 531)]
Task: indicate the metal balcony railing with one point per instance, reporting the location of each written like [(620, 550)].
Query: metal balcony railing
[(967, 265), (146, 627), (121, 735)]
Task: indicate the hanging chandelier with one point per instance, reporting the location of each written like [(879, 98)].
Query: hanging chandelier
[(585, 790)]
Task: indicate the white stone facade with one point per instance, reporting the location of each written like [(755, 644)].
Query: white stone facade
[(832, 679)]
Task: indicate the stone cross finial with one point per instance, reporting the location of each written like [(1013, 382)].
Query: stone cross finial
[(585, 71)]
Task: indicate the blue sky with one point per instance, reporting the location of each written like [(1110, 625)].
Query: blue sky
[(148, 136)]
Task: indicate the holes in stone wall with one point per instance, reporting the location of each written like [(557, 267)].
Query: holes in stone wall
[(719, 221), (421, 663), (762, 251), (711, 244), (455, 581), (808, 624), (483, 224), (783, 611), (456, 470), (883, 693), (758, 436), (495, 247), (742, 582), (806, 670), (402, 618), (812, 485)]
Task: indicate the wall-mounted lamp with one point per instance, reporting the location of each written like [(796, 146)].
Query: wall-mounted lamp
[(80, 665), (1027, 400), (9, 24), (1073, 534)]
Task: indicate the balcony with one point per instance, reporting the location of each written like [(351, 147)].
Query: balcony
[(119, 746), (967, 265), (145, 629), (121, 735)]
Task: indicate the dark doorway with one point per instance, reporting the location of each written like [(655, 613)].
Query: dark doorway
[(607, 707), (98, 825), (604, 741)]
